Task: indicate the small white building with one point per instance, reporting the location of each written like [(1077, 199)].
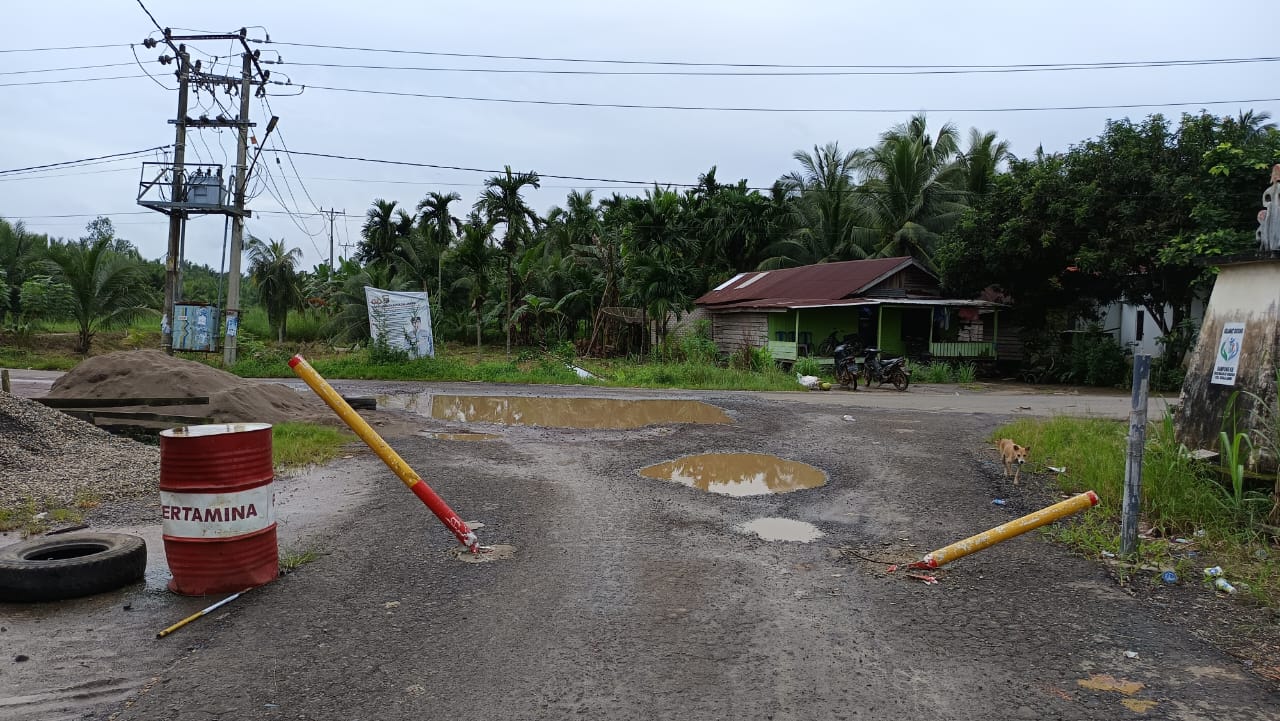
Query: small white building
[(1135, 330)]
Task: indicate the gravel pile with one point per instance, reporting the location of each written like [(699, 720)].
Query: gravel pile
[(50, 456)]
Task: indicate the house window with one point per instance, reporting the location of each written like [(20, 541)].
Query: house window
[(1138, 325)]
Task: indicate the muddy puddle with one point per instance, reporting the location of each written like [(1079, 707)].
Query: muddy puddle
[(781, 529), (459, 436), (738, 474), (584, 413)]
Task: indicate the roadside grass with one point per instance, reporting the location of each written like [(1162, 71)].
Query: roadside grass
[(302, 444), (460, 363), (943, 372), (292, 560), (32, 517), (1181, 499)]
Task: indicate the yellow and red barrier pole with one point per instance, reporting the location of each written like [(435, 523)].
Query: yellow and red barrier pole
[(1004, 532), (465, 535)]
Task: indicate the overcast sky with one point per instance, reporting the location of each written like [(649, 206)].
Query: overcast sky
[(56, 122)]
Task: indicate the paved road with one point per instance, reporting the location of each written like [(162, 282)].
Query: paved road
[(632, 598), (999, 398)]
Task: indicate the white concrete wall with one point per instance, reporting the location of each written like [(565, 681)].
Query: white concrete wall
[(1121, 320)]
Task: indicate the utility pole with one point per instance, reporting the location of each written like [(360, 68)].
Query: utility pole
[(180, 192), (330, 213), (177, 219), (237, 220)]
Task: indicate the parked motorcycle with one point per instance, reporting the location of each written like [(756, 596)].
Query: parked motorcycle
[(889, 370), (846, 364)]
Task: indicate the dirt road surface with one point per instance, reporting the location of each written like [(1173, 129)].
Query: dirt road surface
[(636, 598)]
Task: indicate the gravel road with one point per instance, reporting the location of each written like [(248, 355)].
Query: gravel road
[(633, 598)]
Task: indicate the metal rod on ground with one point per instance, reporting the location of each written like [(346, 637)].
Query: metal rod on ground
[(1004, 532), (465, 535), (1133, 456), (198, 614)]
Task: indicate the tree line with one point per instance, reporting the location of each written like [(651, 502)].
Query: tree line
[(1132, 213)]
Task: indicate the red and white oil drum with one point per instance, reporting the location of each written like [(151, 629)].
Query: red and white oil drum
[(218, 507)]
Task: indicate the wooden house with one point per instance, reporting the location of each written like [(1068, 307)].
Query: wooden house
[(894, 304)]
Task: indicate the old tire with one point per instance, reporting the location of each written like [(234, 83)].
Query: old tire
[(80, 564), (900, 379)]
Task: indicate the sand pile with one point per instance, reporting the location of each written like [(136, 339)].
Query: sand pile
[(153, 374), (48, 456)]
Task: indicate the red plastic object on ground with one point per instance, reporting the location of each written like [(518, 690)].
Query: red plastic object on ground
[(218, 507)]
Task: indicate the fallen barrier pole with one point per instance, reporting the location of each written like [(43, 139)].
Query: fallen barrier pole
[(200, 614), (1004, 532), (465, 535)]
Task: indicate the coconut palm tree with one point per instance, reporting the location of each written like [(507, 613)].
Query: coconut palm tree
[(824, 194), (107, 288), (911, 190), (439, 227), (475, 254), (19, 252), (980, 162), (501, 202), (273, 268)]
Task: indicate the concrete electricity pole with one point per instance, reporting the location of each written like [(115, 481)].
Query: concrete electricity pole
[(177, 219), (330, 213), (237, 219)]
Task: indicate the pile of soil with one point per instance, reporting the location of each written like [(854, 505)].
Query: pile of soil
[(153, 374), (51, 458)]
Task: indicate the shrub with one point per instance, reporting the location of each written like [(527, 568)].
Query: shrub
[(966, 373), (934, 373), (807, 367), (1096, 359)]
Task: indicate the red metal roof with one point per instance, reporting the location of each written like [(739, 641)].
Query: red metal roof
[(821, 282)]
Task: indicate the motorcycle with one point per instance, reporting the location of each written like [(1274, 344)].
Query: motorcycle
[(891, 370), (846, 363)]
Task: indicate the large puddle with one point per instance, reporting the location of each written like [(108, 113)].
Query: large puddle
[(606, 413), (738, 474)]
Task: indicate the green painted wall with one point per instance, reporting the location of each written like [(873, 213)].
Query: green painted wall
[(817, 321)]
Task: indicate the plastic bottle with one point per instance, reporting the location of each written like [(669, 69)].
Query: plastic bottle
[(1221, 584), (1214, 572)]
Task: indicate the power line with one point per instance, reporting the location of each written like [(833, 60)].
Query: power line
[(86, 160), (785, 71), (746, 109), (153, 17), (64, 47), (72, 80), (133, 49), (59, 70), (682, 63)]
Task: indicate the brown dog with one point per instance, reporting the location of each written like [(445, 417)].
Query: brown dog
[(1013, 456)]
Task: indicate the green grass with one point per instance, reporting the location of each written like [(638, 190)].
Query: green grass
[(943, 372), (13, 357), (291, 561), (460, 364), (301, 444), (26, 516), (933, 373), (1180, 498)]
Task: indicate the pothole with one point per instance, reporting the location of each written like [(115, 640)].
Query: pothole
[(459, 436), (500, 552), (738, 474), (604, 413), (781, 529)]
